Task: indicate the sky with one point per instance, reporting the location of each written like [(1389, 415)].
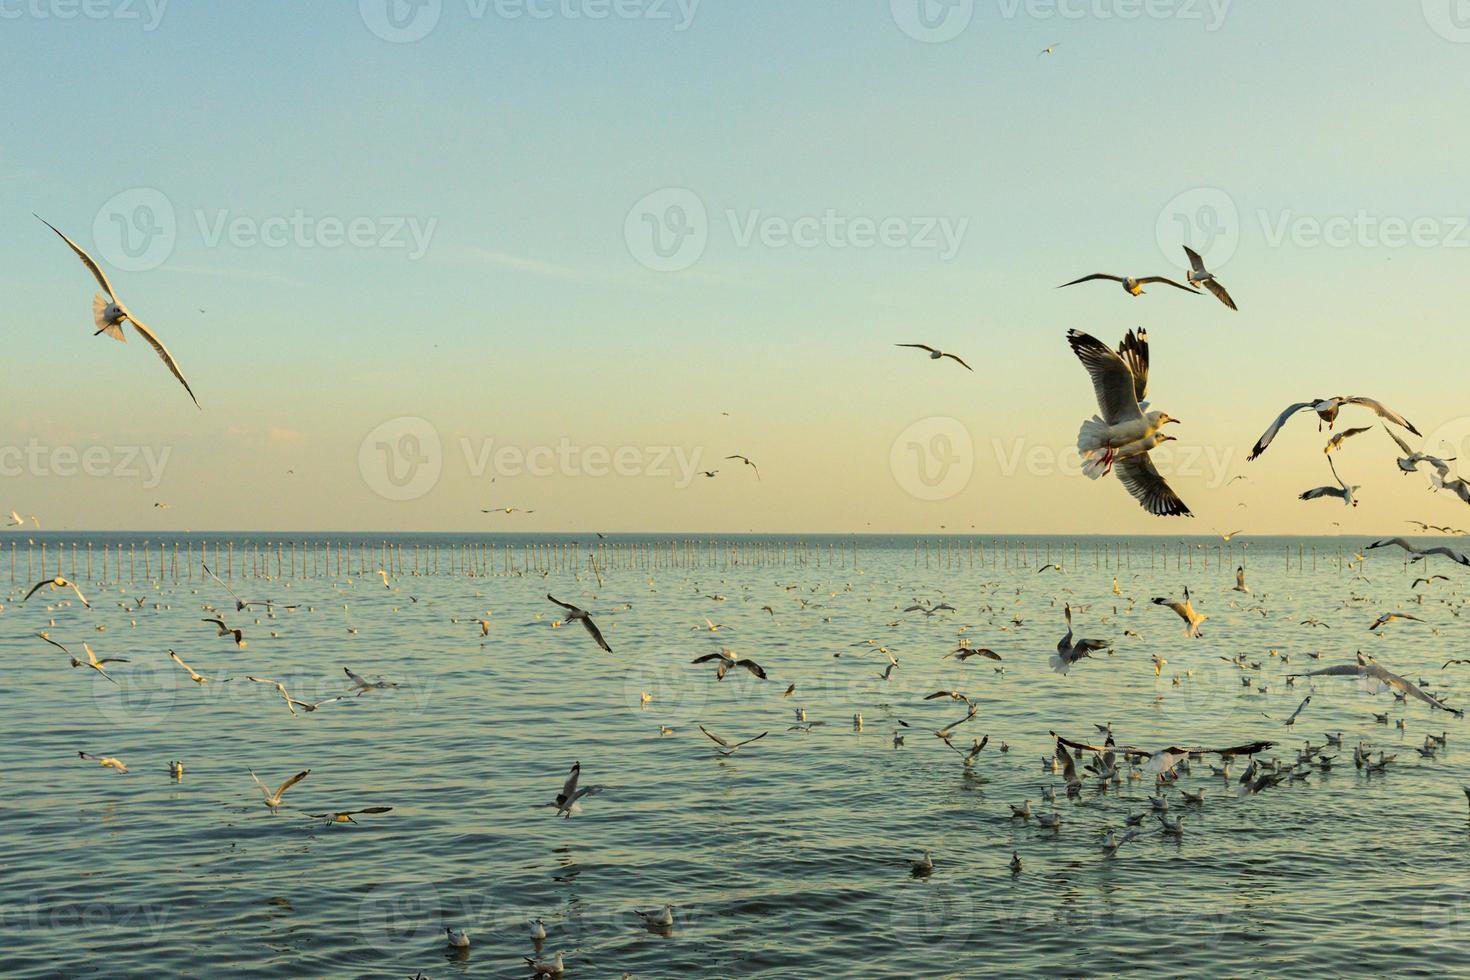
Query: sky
[(423, 259)]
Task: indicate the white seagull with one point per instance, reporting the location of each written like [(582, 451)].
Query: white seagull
[(1198, 276), (1419, 554), (1327, 409), (585, 618), (1123, 433), (935, 354), (566, 801), (1342, 491), (109, 313), (273, 799), (727, 748), (1132, 286), (1068, 652), (58, 583), (1185, 609)]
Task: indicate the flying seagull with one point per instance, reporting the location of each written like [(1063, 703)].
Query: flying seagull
[(1389, 617), (1132, 286), (238, 635), (747, 461), (58, 583), (566, 801), (1068, 652), (105, 761), (240, 604), (727, 661), (345, 816), (1419, 554), (935, 355), (1335, 443), (585, 618), (110, 313), (273, 799), (1327, 409), (1409, 462), (1185, 611), (1123, 433), (1198, 275), (91, 660), (1377, 679), (727, 748), (1342, 491)]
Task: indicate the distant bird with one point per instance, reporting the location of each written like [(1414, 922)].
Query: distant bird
[(1123, 434), (1240, 585), (1419, 554), (91, 660), (582, 616), (1389, 617), (362, 686), (1429, 581), (345, 816), (1377, 679), (1342, 491), (109, 314), (16, 520), (58, 583), (1185, 610), (240, 604), (506, 510), (727, 660), (658, 918), (747, 461), (273, 799), (1327, 409), (1049, 49), (924, 865), (238, 635), (194, 675), (1069, 653), (727, 748), (1198, 275), (1132, 286), (566, 802), (935, 354), (105, 761), (965, 653), (457, 938)]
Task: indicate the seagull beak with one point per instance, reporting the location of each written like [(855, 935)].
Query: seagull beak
[(1171, 420)]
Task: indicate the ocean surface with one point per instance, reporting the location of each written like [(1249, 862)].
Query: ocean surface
[(790, 858)]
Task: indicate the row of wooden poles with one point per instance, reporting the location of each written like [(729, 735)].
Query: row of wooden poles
[(948, 553), (183, 561)]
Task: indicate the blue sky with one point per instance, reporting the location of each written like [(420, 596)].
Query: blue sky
[(521, 315)]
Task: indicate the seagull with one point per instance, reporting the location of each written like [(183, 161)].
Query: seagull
[(747, 461), (573, 613), (1198, 276), (1335, 443), (553, 967), (1419, 554), (1185, 610), (506, 510), (935, 354), (1409, 462), (1377, 679), (345, 816), (457, 938), (1389, 617), (91, 660), (1049, 49), (58, 583), (538, 931), (965, 653), (1123, 434), (194, 675), (659, 918), (224, 630), (1327, 410), (273, 800), (1240, 585), (109, 313), (291, 703), (1132, 286), (1342, 491), (362, 686), (727, 661), (923, 866), (1292, 720), (240, 604), (566, 801), (16, 520), (726, 748), (105, 761), (1068, 652)]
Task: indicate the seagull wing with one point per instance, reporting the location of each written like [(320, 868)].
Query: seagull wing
[(960, 360), (1404, 446), (292, 781), (1141, 478), (1165, 280), (1096, 275), (1385, 542), (1134, 352), (1383, 411), (749, 740), (715, 738), (1275, 427), (596, 633), (37, 587), (163, 353), (567, 606), (1112, 381), (1214, 286), (1194, 259), (87, 260), (919, 346)]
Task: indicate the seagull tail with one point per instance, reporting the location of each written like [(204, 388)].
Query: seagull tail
[(1093, 436), (113, 330), (1059, 665)]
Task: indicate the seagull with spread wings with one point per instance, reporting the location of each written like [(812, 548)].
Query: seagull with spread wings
[(1342, 491), (1327, 409), (728, 661), (1198, 276), (1184, 609), (747, 462), (727, 748), (1409, 462), (1377, 679), (1069, 652), (58, 583), (1123, 433), (1419, 554), (935, 354), (566, 801), (273, 798), (585, 618), (109, 313), (91, 660), (1132, 286)]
